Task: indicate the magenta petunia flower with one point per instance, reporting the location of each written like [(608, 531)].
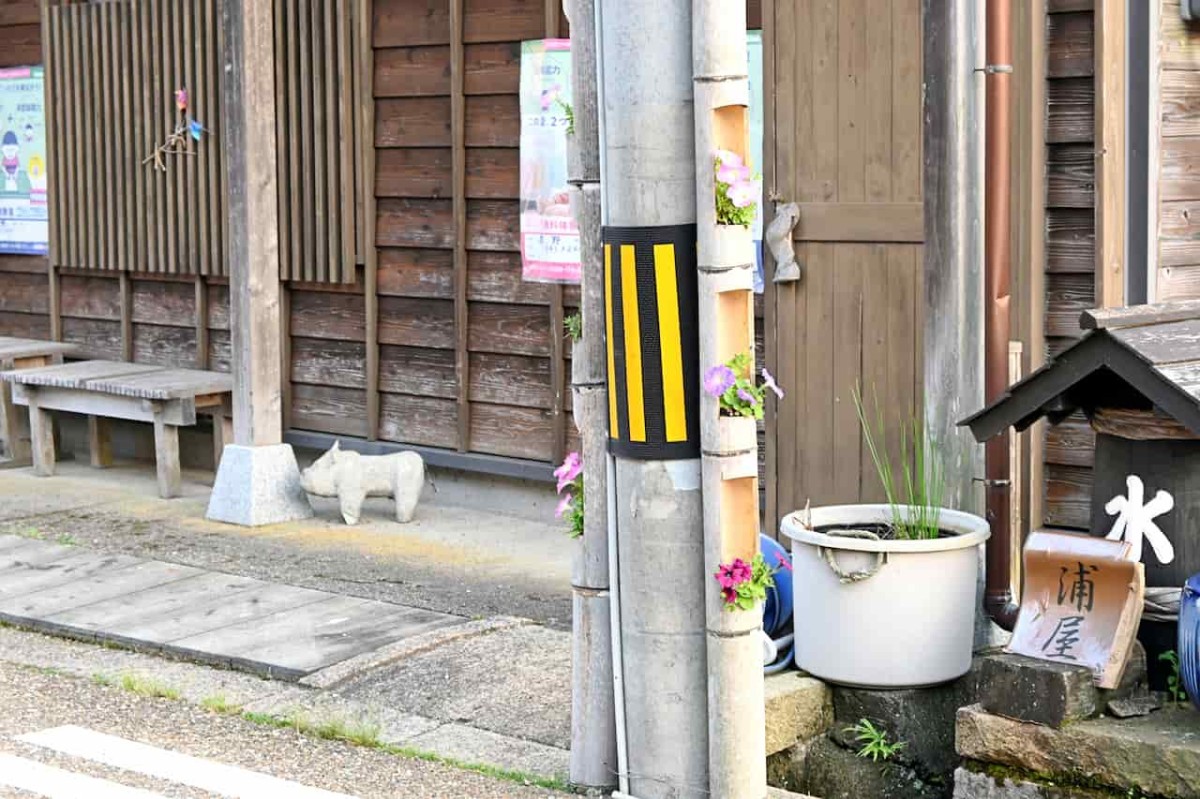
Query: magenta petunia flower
[(724, 575), (785, 563), (718, 379), (746, 396), (741, 571), (770, 383), (564, 505), (729, 594), (181, 99), (572, 467)]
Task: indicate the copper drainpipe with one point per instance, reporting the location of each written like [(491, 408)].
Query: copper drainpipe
[(998, 599)]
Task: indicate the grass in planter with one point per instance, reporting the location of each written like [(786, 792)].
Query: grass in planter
[(923, 478)]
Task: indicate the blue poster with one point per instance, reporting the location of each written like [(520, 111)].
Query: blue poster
[(24, 218)]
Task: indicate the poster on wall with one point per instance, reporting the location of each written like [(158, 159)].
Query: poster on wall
[(24, 219), (549, 236)]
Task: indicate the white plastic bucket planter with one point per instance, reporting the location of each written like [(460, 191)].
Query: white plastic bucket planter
[(910, 623)]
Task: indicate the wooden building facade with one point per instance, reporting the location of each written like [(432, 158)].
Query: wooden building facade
[(406, 320)]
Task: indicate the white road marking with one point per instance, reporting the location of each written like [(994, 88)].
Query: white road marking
[(207, 775), (54, 783)]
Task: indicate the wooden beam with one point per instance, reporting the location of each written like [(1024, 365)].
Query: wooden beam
[(1110, 153), (56, 332), (126, 290), (201, 287), (458, 134), (370, 253), (868, 222), (1031, 254), (249, 136), (558, 355)]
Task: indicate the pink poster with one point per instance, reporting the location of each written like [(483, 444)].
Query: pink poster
[(549, 236)]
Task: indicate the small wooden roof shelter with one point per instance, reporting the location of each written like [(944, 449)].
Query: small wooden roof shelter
[(1144, 357)]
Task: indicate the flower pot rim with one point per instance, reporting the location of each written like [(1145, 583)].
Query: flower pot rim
[(968, 530)]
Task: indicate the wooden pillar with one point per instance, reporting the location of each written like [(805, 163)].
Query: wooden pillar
[(458, 133), (1110, 153), (249, 142)]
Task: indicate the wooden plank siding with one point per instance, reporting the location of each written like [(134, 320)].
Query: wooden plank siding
[(1178, 178), (1070, 239), (844, 139), (447, 315)]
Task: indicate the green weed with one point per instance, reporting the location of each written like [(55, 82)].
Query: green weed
[(1175, 692), (875, 744), (217, 703)]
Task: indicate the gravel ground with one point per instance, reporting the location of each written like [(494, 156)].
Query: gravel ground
[(33, 700)]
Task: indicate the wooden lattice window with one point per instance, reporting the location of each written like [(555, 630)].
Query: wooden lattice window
[(112, 71)]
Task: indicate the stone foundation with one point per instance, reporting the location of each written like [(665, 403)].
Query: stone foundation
[(923, 719)]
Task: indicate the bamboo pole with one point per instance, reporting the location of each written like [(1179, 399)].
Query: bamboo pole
[(725, 258), (593, 723)]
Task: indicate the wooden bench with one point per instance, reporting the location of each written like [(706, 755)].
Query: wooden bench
[(104, 390), (22, 353)]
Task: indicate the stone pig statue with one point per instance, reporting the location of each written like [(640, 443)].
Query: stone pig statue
[(352, 477)]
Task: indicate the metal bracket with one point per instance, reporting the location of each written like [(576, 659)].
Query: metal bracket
[(996, 69)]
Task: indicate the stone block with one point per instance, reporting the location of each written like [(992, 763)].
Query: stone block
[(978, 785), (1158, 754), (257, 486), (799, 708), (923, 718), (1040, 691), (785, 770), (1139, 705), (832, 772), (1052, 693)]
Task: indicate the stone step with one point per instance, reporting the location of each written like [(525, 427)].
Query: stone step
[(1157, 755)]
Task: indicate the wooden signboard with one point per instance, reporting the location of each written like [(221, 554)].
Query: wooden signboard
[(1082, 603)]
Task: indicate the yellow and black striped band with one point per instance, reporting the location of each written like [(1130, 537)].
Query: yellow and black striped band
[(650, 307)]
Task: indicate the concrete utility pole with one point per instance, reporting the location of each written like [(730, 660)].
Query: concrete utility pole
[(648, 172), (593, 720), (257, 482), (737, 758)]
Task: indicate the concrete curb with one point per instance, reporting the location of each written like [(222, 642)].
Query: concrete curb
[(458, 743), (338, 673)]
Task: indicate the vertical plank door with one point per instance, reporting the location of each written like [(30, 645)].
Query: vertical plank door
[(843, 121)]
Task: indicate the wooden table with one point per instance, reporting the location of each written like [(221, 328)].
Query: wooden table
[(104, 390), (22, 353)]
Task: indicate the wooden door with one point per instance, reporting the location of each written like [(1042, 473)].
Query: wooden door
[(843, 120)]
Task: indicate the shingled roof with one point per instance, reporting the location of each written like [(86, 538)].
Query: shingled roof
[(1145, 356)]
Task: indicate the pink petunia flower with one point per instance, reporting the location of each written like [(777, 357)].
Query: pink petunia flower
[(718, 379), (729, 594), (743, 195), (572, 467), (770, 383), (733, 175), (729, 158), (181, 99), (564, 505), (785, 563)]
